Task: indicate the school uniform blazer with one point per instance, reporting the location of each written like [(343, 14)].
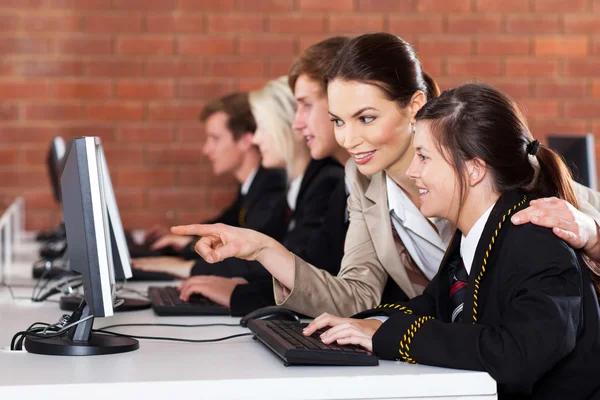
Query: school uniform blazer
[(530, 317), (325, 250), (320, 179), (261, 209), (370, 255)]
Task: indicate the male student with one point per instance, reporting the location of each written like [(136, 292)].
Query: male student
[(230, 126), (325, 248)]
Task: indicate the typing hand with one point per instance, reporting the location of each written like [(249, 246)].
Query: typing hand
[(154, 233), (345, 330), (216, 288), (172, 265), (568, 223), (220, 241), (177, 242)]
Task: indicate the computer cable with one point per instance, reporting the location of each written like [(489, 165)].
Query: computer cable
[(63, 326), (65, 285), (171, 339), (169, 325)]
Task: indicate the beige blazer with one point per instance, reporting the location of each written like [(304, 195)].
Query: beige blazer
[(370, 255)]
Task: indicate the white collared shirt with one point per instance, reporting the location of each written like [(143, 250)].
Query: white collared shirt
[(293, 192), (248, 182), (423, 243), (468, 244)]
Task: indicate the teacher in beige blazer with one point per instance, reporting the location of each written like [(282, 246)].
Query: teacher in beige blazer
[(390, 246)]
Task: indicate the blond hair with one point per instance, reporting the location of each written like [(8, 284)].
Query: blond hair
[(274, 109)]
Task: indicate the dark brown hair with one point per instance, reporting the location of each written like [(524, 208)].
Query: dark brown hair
[(386, 61), (477, 120), (316, 60), (237, 108)]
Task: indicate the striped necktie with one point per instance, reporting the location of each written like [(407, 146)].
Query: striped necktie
[(458, 285)]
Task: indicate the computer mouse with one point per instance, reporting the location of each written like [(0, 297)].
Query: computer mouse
[(270, 313)]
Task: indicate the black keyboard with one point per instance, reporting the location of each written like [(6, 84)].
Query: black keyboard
[(285, 338), (166, 302)]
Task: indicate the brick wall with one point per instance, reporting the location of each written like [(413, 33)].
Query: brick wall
[(137, 72)]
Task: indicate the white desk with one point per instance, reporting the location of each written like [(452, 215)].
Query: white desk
[(240, 368)]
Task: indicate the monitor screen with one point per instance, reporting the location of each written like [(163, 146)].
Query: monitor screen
[(579, 154)]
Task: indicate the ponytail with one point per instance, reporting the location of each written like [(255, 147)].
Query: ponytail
[(554, 178), (433, 90)]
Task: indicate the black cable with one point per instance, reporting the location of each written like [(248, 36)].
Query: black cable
[(173, 339), (168, 325)]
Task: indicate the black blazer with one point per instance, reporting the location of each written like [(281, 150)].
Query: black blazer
[(320, 179), (325, 250), (530, 319), (261, 209)]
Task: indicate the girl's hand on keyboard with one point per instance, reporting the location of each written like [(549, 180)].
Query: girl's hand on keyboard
[(345, 330)]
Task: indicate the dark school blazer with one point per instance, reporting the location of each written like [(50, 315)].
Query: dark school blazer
[(530, 319)]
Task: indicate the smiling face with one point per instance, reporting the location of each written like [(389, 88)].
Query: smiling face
[(438, 183), (374, 130)]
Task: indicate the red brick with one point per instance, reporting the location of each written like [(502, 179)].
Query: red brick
[(154, 133), (582, 109), (385, 5), (172, 68), (559, 6), (355, 23), (539, 109), (560, 88), (531, 67), (596, 5), (120, 154), (191, 132), (9, 112), (53, 112), (232, 23), (24, 90), (25, 45), (432, 65), (85, 46), (204, 89), (206, 46), (266, 5), (104, 131), (297, 24), (561, 47), (278, 67), (51, 68), (99, 23), (596, 89), (115, 68), (36, 199), (52, 23), (473, 67), (115, 111), (32, 155), (207, 5), (473, 24), (247, 85), (532, 24), (24, 177), (20, 4), (145, 177), (147, 219), (589, 67), (80, 5), (145, 5), (596, 47), (504, 6), (83, 90), (503, 46), (145, 90), (174, 112), (138, 45), (266, 47), (444, 6), (582, 24), (444, 46), (130, 198), (176, 198), (9, 155), (176, 155), (175, 23), (27, 134), (325, 6), (411, 24), (39, 220), (307, 40), (8, 23), (514, 88), (199, 176)]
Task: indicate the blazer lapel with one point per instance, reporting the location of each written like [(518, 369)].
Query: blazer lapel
[(378, 220)]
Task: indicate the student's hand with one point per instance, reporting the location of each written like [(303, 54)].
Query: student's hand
[(154, 233), (345, 330), (216, 288), (220, 241), (177, 242), (172, 265), (568, 223)]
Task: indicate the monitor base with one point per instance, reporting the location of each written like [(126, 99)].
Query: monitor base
[(98, 344), (71, 303)]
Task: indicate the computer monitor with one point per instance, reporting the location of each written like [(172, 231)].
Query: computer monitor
[(90, 254), (580, 155), (55, 161)]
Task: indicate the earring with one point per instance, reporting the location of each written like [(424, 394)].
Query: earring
[(414, 128)]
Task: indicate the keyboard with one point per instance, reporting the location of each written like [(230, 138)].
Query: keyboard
[(285, 339), (166, 302)]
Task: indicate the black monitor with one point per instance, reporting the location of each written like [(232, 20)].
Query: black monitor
[(55, 161), (580, 155), (90, 254)]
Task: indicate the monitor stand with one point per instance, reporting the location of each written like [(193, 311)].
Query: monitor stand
[(80, 340), (71, 303)]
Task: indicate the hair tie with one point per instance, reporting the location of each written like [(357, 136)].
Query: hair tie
[(533, 147)]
